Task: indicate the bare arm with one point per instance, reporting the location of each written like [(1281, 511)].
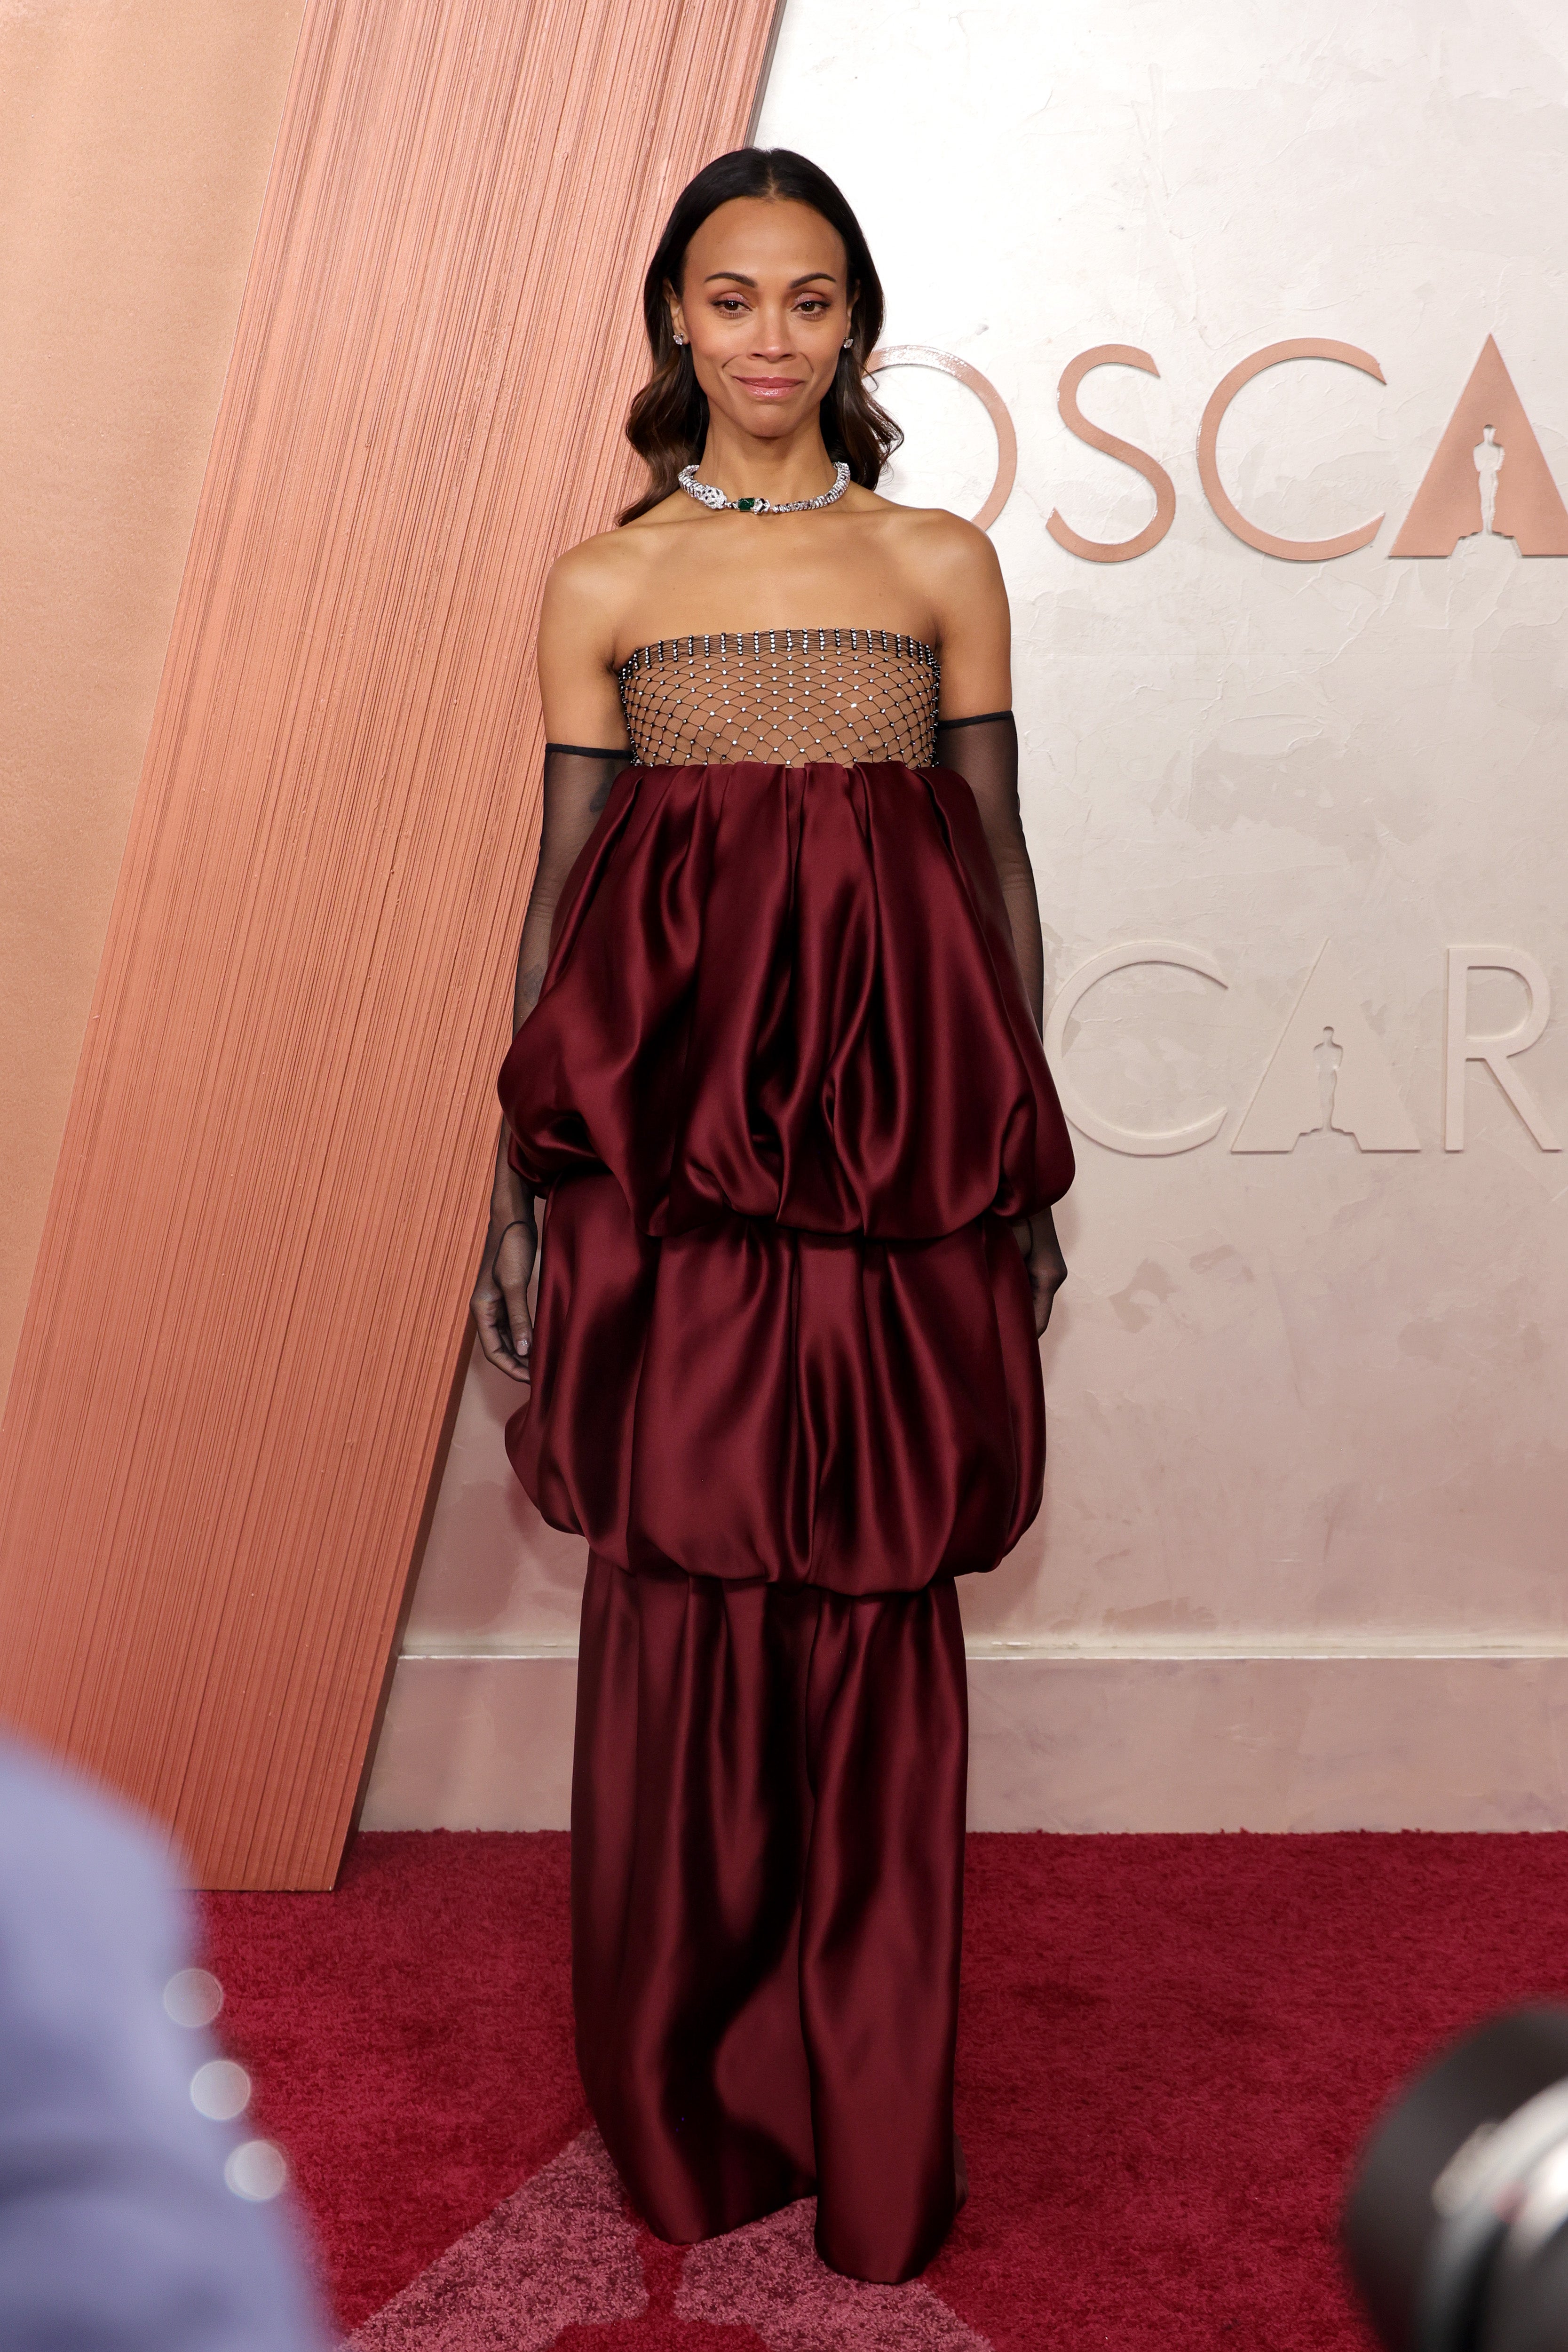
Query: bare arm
[(586, 750)]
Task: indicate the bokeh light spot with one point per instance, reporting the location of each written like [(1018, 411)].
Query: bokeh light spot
[(220, 2090), (256, 2171), (193, 1997)]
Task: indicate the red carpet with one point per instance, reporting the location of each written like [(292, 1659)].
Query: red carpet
[(1170, 2049)]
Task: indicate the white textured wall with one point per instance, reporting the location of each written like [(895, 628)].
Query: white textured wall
[(1301, 1402)]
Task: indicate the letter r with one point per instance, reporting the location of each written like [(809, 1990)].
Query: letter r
[(1496, 1052)]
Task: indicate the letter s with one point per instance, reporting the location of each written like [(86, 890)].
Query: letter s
[(1111, 550)]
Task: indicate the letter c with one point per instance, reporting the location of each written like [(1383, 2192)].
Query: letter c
[(1138, 1142), (1294, 550)]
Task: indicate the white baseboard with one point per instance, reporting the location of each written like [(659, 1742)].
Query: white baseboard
[(475, 1743), (1417, 1740)]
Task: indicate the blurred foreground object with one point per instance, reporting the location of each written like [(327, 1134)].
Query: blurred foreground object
[(1457, 2225), (134, 2216)]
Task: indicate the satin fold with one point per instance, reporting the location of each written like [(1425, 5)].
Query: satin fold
[(784, 1091), (789, 992)]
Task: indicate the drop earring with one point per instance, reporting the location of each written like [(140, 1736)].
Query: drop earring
[(680, 338)]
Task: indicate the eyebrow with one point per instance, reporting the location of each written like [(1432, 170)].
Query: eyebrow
[(738, 277)]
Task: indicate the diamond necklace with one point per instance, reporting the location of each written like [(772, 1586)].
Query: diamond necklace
[(707, 495)]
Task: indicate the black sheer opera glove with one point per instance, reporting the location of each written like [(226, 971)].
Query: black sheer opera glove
[(577, 782), (984, 750)]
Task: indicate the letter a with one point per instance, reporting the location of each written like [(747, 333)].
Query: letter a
[(1447, 506), (1289, 1101)]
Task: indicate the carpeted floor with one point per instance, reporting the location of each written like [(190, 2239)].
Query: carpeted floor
[(1170, 2049)]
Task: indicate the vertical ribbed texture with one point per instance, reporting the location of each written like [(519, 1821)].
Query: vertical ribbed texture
[(253, 1279)]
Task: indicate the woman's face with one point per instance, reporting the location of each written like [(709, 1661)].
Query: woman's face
[(765, 304)]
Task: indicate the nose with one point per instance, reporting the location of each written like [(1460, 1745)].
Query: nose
[(772, 332)]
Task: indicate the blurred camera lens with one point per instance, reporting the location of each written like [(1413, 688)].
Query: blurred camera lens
[(1457, 2225)]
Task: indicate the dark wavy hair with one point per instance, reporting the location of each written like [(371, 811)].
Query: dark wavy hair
[(668, 423)]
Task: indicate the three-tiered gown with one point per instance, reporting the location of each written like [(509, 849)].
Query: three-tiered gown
[(783, 1093)]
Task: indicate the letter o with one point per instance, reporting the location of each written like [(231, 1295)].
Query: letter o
[(990, 399)]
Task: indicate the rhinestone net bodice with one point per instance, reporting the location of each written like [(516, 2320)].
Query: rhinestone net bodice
[(785, 695)]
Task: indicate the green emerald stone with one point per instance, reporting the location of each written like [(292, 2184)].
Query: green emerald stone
[(746, 506)]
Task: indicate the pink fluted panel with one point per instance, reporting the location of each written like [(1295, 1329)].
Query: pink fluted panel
[(251, 1295)]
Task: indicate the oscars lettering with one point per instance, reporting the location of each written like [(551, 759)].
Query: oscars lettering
[(1327, 1069), (1486, 477)]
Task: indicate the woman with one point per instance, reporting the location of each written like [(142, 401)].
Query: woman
[(778, 1073)]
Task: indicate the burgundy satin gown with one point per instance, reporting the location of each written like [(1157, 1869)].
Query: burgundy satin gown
[(782, 1092)]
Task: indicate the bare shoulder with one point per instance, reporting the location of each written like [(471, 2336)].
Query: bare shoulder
[(944, 562), (588, 591), (953, 566), (595, 574), (954, 557)]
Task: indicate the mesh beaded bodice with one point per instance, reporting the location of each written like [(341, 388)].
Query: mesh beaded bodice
[(789, 696)]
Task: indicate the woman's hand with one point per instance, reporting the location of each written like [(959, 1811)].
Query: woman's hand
[(500, 1300), (1036, 1236)]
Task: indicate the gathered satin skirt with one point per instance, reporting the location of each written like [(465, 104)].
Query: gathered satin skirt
[(767, 1839), (784, 1094)]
